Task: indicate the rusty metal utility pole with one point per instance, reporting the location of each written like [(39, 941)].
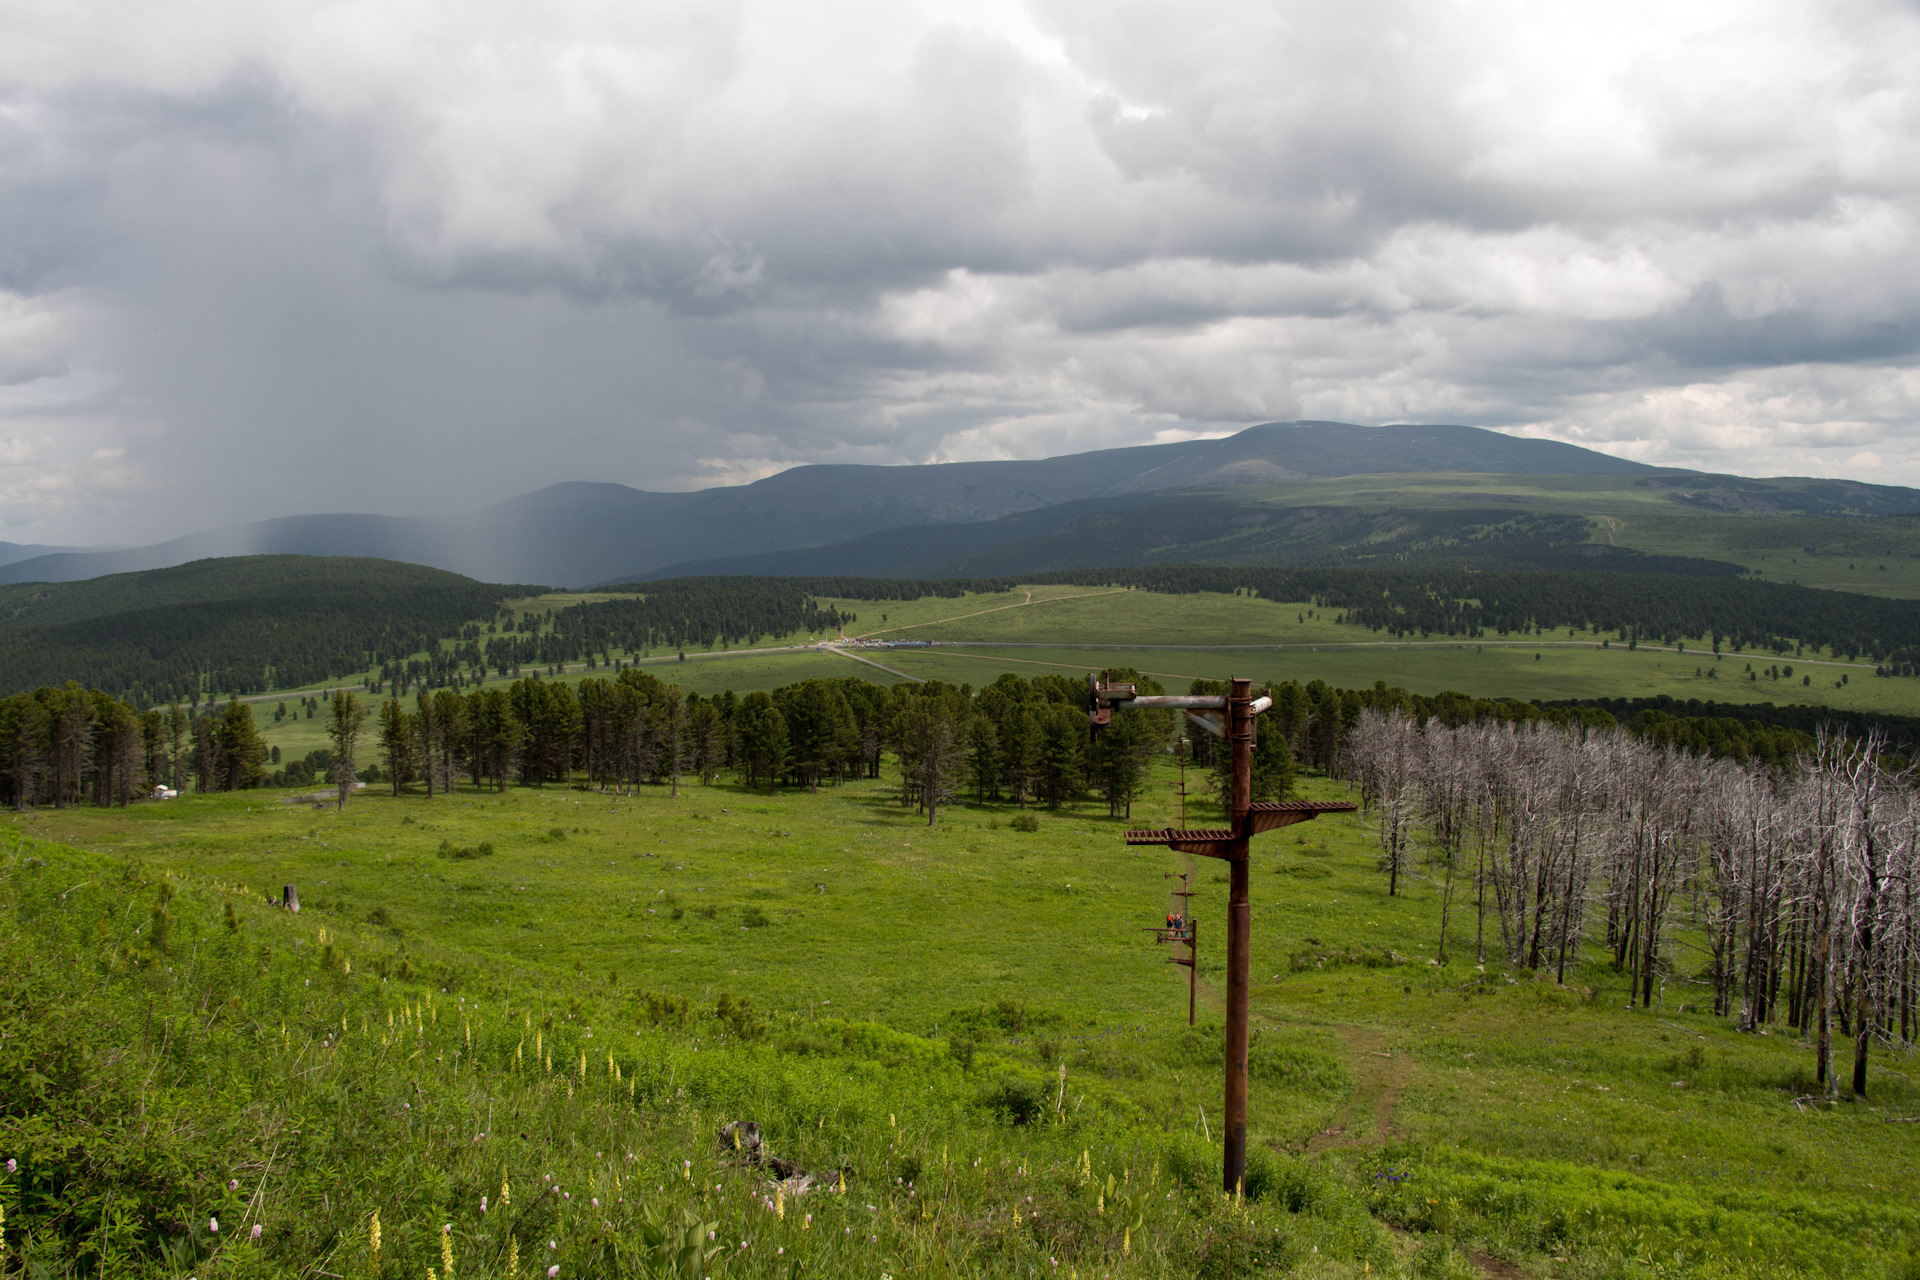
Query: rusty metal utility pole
[(1230, 717)]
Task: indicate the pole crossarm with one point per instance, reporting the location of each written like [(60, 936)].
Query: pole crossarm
[(1204, 842), (1218, 842), (1269, 814)]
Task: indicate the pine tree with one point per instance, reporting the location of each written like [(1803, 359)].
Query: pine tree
[(343, 727)]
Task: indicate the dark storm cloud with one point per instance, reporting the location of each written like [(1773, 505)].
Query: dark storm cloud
[(261, 259)]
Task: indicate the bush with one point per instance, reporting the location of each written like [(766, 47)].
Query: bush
[(1024, 822), (737, 1017), (665, 1010), (1019, 1098), (754, 918), (461, 852)]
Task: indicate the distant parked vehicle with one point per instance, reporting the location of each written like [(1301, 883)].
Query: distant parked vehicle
[(164, 793)]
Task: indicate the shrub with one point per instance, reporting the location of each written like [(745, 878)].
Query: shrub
[(737, 1017), (665, 1010), (1019, 1098), (754, 918), (961, 1047), (1024, 822)]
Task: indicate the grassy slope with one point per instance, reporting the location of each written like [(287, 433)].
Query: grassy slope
[(1848, 553), (1538, 1122)]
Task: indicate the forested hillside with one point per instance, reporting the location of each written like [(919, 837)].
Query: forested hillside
[(1215, 528), (239, 625)]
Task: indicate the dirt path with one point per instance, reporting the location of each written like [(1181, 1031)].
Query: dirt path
[(832, 648), (1382, 1076), (1028, 603)]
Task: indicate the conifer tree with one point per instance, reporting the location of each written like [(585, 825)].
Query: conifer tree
[(343, 727)]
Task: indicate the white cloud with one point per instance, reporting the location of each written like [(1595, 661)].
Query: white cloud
[(416, 255)]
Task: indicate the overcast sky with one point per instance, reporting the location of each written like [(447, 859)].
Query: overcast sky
[(260, 258)]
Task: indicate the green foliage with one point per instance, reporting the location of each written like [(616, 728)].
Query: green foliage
[(243, 624), (737, 1016)]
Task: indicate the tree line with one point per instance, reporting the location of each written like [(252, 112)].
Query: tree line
[(1778, 892), (1019, 741)]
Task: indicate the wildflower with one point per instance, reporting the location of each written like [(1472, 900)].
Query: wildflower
[(596, 1202), (373, 1239), (11, 1166), (213, 1225), (553, 1271), (234, 1185), (513, 1257), (256, 1231), (446, 1250), (483, 1204)]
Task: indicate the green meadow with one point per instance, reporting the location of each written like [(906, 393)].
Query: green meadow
[(1874, 556), (965, 1031)]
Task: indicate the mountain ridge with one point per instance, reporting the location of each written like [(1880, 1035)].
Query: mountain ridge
[(580, 532)]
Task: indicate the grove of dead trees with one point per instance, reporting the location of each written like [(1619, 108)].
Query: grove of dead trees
[(1784, 895)]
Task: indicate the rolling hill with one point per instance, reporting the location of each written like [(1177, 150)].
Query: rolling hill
[(243, 624), (581, 533)]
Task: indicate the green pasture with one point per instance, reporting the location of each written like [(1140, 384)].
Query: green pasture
[(1489, 670), (1229, 635), (924, 993), (1872, 556)]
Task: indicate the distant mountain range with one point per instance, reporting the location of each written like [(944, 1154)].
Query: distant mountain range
[(949, 514)]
